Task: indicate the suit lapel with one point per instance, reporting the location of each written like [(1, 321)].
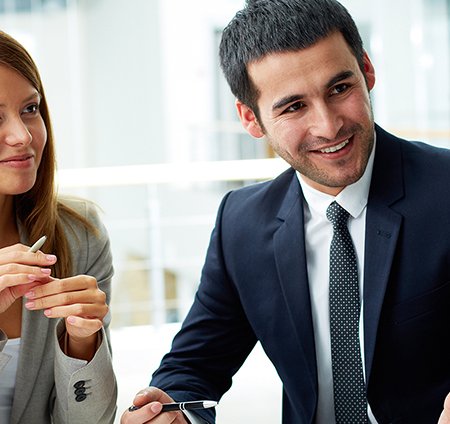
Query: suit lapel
[(290, 258), (382, 231)]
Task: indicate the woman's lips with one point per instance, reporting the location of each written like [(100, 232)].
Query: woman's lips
[(21, 161)]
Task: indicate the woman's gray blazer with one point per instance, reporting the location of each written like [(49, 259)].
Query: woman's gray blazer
[(49, 389)]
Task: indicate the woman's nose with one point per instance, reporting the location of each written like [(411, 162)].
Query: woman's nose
[(15, 132)]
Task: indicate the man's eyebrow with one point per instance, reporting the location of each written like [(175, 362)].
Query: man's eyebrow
[(286, 100), (340, 77), (297, 97)]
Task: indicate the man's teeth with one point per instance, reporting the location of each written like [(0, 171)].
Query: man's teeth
[(335, 148)]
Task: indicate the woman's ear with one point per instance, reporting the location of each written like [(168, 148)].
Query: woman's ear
[(248, 120)]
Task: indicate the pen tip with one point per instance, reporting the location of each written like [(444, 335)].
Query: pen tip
[(209, 404)]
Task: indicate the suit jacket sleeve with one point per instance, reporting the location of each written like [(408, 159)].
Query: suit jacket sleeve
[(87, 394), (215, 337)]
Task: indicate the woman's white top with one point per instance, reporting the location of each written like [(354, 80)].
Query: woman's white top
[(8, 379)]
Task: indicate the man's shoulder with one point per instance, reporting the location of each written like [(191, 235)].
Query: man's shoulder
[(267, 191), (259, 204), (423, 150)]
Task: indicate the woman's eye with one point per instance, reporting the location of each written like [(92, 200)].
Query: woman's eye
[(31, 108), (340, 88)]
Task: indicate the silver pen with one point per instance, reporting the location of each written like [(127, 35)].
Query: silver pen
[(182, 406), (36, 246)]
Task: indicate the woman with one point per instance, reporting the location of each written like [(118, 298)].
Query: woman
[(55, 362)]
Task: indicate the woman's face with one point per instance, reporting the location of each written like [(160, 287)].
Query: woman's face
[(22, 133)]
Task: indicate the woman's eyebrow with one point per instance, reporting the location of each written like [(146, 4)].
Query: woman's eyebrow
[(33, 96)]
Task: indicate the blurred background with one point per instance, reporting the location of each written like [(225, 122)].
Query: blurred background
[(146, 127)]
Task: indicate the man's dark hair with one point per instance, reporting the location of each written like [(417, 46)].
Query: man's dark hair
[(270, 26)]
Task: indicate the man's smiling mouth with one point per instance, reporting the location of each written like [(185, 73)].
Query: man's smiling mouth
[(333, 149)]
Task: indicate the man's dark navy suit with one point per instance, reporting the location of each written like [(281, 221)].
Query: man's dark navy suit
[(254, 286)]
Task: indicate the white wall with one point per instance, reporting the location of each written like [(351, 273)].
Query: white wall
[(254, 398)]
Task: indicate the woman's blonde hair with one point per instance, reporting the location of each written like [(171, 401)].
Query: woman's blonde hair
[(39, 210)]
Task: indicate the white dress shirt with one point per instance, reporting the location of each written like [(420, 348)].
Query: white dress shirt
[(8, 379), (318, 234)]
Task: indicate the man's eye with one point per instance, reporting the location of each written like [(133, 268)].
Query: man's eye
[(294, 107), (340, 88)]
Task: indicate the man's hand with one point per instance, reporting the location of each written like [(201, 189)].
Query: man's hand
[(445, 416), (149, 401)]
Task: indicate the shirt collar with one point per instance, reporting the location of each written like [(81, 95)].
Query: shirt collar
[(352, 198)]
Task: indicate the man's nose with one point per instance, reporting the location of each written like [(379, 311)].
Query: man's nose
[(324, 122)]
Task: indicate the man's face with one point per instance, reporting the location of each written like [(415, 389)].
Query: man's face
[(315, 111)]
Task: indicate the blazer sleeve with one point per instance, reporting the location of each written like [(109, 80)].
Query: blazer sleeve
[(87, 392), (215, 337)]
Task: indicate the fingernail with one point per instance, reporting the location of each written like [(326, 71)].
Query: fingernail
[(30, 295), (29, 305), (46, 271), (51, 258), (47, 312), (71, 320), (156, 407)]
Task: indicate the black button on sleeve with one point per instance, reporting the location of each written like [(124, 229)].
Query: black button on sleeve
[(79, 384), (80, 398)]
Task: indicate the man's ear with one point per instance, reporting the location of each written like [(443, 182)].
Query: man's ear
[(369, 71), (248, 120)]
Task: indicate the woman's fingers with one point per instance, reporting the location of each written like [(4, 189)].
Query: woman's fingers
[(77, 299), (77, 310), (19, 291), (30, 274), (20, 271), (72, 285), (82, 327), (77, 296), (19, 254), (19, 266)]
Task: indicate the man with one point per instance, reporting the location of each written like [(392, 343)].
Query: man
[(378, 353)]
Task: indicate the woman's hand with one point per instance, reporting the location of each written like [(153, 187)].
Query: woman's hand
[(20, 271), (81, 303)]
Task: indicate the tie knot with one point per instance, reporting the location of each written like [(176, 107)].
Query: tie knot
[(337, 215)]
